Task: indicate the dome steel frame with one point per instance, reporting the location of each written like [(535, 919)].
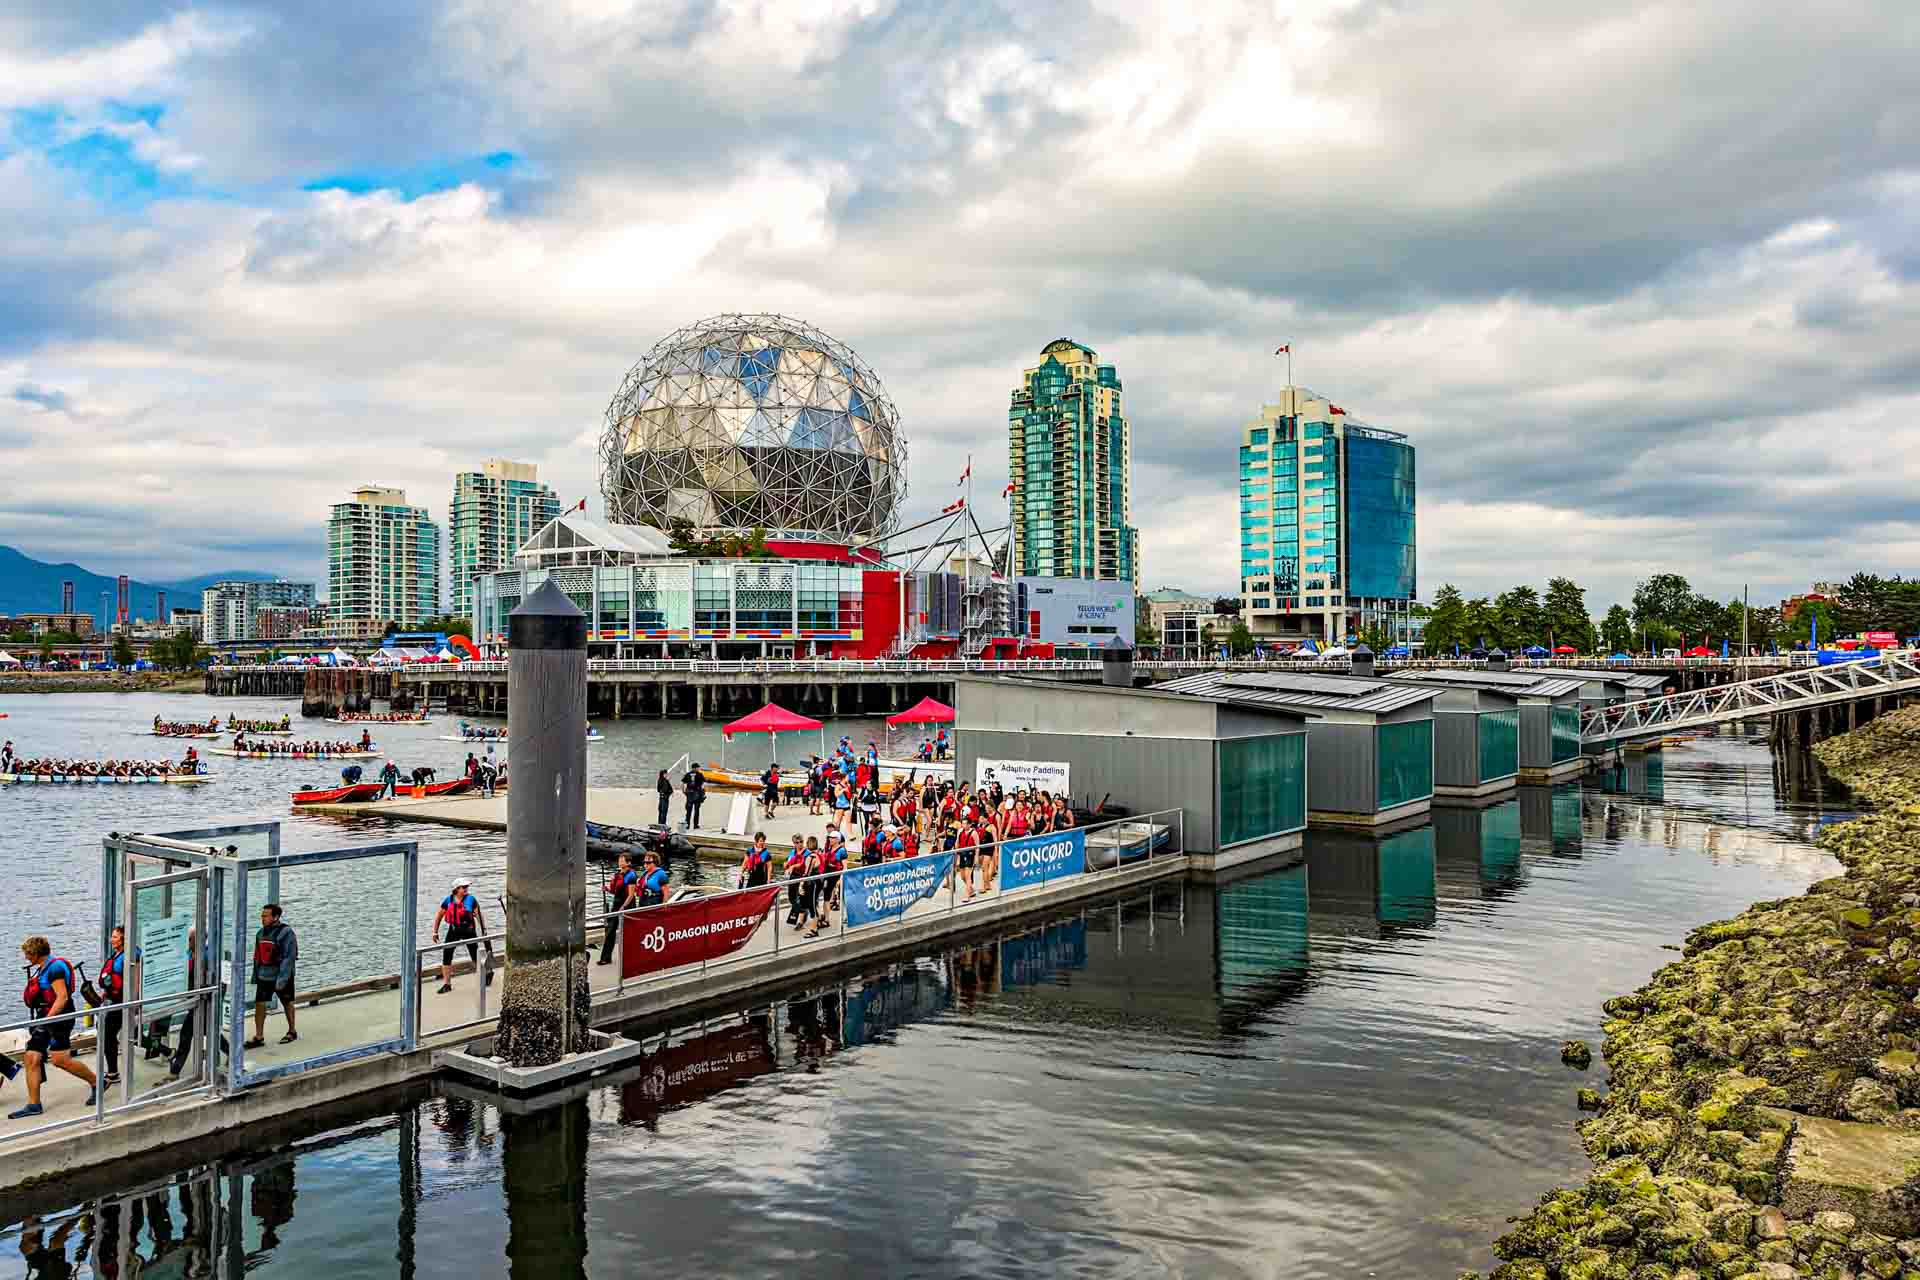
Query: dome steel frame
[(747, 421)]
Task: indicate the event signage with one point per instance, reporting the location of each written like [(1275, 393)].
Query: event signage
[(1035, 775), (890, 888), (689, 932), (695, 1069), (1038, 859)]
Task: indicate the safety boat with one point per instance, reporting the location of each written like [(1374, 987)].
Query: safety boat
[(75, 779)]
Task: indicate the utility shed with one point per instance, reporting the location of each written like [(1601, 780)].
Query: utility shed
[(1370, 760), (1238, 773), (1549, 714), (1603, 688), (1476, 743)]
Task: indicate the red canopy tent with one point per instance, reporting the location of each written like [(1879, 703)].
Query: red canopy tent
[(772, 721), (1699, 651), (1564, 648), (925, 711)]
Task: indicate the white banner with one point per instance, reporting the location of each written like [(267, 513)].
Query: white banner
[(1035, 775)]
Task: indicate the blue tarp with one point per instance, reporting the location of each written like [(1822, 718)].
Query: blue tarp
[(1397, 651), (1535, 651), (1620, 657)]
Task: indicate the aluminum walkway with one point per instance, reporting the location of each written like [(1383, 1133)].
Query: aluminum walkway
[(1799, 690)]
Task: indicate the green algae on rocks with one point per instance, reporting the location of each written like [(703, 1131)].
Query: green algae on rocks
[(1763, 1111)]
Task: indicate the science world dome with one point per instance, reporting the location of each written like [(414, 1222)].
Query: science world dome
[(754, 421)]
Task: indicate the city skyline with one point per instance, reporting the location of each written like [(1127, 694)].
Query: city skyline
[(1630, 331)]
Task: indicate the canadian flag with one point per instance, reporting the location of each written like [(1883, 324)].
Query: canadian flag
[(1334, 408), (1008, 491), (953, 506), (580, 505), (968, 472), (1283, 349)]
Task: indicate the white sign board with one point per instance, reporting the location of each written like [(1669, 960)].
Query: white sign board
[(163, 955), (740, 814), (1035, 775)]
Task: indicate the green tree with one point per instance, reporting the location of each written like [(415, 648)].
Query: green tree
[(1447, 623), (1483, 624), (46, 650), (1565, 612), (1800, 630), (122, 650), (1143, 632), (451, 624), (1240, 640), (1518, 618), (1616, 630), (1665, 600), (1227, 606), (1206, 638)]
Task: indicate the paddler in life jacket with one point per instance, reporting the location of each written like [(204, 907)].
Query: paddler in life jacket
[(460, 912), (49, 994), (113, 987)]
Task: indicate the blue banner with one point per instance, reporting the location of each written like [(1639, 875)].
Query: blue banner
[(1037, 859), (889, 888)]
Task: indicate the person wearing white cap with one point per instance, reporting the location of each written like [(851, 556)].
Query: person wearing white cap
[(460, 912)]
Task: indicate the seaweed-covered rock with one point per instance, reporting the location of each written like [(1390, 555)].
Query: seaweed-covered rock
[(1797, 1011), (1576, 1054)]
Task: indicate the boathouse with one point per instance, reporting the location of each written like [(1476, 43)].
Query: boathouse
[(1239, 771), (1476, 744), (1370, 740), (1549, 714)]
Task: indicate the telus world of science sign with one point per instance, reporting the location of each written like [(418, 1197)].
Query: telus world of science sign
[(1079, 612)]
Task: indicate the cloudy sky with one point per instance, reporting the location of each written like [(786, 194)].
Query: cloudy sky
[(1639, 279)]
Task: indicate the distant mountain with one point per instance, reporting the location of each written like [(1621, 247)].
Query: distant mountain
[(33, 586)]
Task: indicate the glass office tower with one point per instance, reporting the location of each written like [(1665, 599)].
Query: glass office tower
[(1326, 524)]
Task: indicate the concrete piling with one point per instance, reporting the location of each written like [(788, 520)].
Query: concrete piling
[(544, 1003)]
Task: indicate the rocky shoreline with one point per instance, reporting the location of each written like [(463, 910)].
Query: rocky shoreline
[(103, 682), (1763, 1111)]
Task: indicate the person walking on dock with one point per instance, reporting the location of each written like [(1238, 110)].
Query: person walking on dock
[(113, 989), (622, 889), (664, 786), (694, 786), (757, 863), (460, 912), (275, 949), (49, 994)]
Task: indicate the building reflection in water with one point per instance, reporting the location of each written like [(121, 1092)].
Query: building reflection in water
[(1372, 885), (1477, 851), (1550, 820), (1636, 773)]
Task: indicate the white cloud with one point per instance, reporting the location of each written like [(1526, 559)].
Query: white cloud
[(1631, 324)]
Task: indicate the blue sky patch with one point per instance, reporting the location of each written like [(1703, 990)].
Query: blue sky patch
[(410, 184), (104, 163)]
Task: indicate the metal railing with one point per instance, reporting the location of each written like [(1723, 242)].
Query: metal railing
[(1162, 828), (205, 1029), (1804, 687)]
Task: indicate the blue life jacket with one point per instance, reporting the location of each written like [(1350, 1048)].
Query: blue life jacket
[(654, 888)]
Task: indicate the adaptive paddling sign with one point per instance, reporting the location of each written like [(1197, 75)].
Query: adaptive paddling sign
[(889, 888), (1051, 776), (689, 932), (1038, 859)]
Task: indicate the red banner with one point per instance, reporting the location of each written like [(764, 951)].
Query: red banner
[(696, 1069), (689, 932)]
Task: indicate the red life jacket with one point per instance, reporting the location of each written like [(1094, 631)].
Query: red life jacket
[(113, 976), (39, 994), (617, 885), (265, 952), (459, 910)]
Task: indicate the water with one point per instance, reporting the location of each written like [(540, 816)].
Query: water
[(1345, 1067)]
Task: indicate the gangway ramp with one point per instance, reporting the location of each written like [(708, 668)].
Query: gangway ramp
[(1798, 690)]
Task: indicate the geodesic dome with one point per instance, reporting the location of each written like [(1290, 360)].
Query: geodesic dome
[(746, 421)]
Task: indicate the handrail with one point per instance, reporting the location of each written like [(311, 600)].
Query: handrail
[(596, 921), (204, 1028)]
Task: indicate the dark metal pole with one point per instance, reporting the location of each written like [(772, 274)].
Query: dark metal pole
[(544, 1004)]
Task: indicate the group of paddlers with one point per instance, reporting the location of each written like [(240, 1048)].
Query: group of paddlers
[(49, 767), (273, 747), (175, 729), (384, 717), (283, 725)]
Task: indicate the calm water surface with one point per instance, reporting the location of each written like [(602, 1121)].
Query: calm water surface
[(1347, 1066)]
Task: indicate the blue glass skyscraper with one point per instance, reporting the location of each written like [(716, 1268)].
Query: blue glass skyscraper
[(1327, 543)]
